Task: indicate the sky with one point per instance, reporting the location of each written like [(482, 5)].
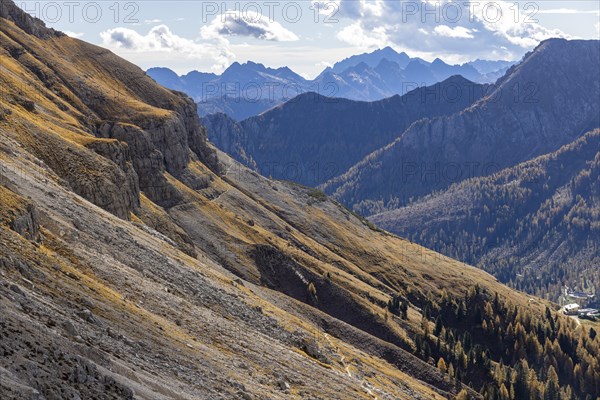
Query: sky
[(309, 35)]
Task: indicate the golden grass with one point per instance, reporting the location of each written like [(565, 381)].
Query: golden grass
[(11, 205)]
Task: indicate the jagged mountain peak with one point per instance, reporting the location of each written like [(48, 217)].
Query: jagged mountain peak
[(365, 77), (520, 118), (416, 64), (387, 63), (361, 67), (32, 25), (372, 59), (388, 52)]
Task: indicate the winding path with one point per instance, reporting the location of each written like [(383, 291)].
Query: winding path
[(367, 387)]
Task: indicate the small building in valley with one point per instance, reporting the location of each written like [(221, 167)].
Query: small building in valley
[(571, 309)]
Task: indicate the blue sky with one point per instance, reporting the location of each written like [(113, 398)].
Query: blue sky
[(309, 35)]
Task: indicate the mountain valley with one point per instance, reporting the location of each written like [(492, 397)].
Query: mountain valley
[(139, 261)]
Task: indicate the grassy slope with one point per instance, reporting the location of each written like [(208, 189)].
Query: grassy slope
[(144, 311), (160, 299)]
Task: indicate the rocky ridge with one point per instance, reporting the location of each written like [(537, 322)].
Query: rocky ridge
[(523, 117)]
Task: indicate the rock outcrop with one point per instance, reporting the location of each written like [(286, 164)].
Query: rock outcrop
[(32, 25), (157, 130), (27, 224), (19, 214)]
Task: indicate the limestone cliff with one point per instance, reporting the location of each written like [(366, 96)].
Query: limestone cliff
[(153, 131)]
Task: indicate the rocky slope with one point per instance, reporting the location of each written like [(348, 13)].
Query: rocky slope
[(546, 101), (313, 138), (138, 262)]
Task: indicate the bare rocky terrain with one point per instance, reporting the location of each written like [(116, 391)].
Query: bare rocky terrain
[(138, 262)]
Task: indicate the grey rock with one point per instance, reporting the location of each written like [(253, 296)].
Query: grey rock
[(283, 385), (87, 315), (16, 289), (27, 224)]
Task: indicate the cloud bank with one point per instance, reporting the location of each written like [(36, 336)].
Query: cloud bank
[(469, 29), (212, 44), (250, 24), (161, 39)]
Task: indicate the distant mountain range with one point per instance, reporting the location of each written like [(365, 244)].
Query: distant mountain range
[(245, 90), (548, 100), (313, 138)]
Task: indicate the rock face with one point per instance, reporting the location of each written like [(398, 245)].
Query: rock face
[(158, 137), (313, 138), (27, 224), (20, 215), (162, 145), (33, 26), (546, 101), (120, 195), (147, 160)]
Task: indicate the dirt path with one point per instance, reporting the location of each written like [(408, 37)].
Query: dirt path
[(367, 387)]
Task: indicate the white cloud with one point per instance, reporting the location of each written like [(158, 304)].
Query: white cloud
[(412, 27), (152, 21), (324, 64), (566, 11), (457, 32), (515, 27), (248, 23), (161, 39), (76, 35), (356, 35), (349, 9)]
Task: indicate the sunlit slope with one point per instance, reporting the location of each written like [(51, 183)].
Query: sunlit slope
[(133, 263), (88, 275)]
